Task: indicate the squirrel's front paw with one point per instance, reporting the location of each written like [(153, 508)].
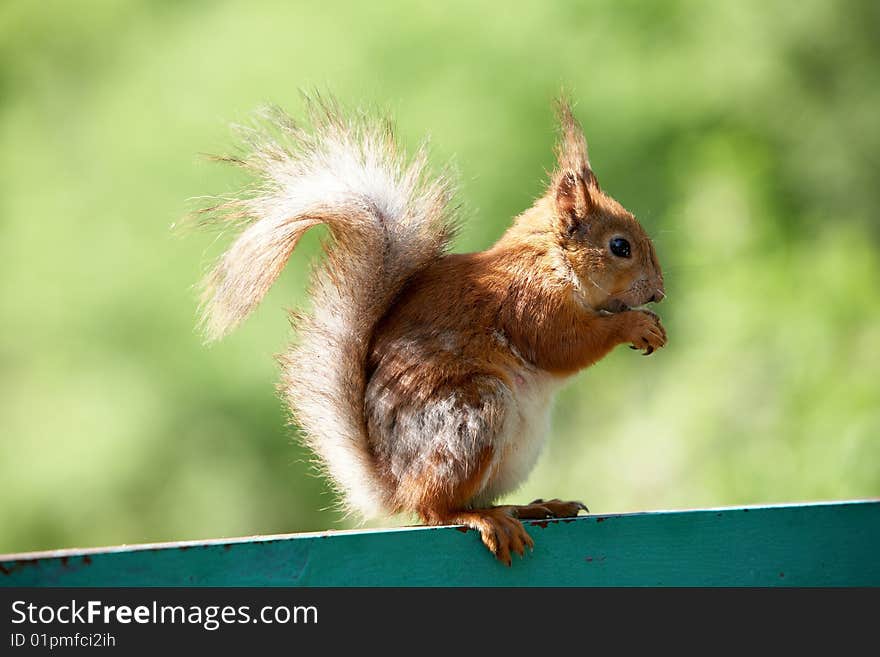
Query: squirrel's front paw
[(643, 330)]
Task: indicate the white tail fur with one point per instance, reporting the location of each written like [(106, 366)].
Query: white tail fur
[(387, 220)]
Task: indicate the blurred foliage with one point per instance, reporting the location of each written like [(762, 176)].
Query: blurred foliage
[(744, 134)]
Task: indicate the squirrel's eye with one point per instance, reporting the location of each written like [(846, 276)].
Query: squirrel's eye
[(619, 247)]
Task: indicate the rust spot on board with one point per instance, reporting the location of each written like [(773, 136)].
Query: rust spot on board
[(540, 523), (463, 530), (64, 562), (87, 560), (227, 546), (568, 520), (600, 519), (184, 548), (18, 565), (782, 574)]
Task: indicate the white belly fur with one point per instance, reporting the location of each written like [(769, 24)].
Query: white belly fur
[(525, 432)]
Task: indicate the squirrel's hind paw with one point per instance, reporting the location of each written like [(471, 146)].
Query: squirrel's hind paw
[(499, 529), (555, 508)]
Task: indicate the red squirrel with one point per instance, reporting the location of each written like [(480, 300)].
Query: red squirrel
[(421, 379)]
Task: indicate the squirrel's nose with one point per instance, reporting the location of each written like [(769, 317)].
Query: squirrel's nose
[(659, 295)]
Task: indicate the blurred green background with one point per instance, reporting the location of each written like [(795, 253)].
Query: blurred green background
[(745, 135)]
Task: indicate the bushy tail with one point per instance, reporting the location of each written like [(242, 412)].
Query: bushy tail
[(387, 220)]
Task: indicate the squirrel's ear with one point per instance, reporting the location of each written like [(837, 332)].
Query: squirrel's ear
[(575, 183), (574, 200)]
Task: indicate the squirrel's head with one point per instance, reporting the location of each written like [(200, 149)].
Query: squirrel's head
[(609, 253)]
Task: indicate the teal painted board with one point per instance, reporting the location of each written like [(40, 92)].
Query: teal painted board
[(831, 544)]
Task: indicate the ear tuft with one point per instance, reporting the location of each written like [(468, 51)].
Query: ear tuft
[(571, 149)]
